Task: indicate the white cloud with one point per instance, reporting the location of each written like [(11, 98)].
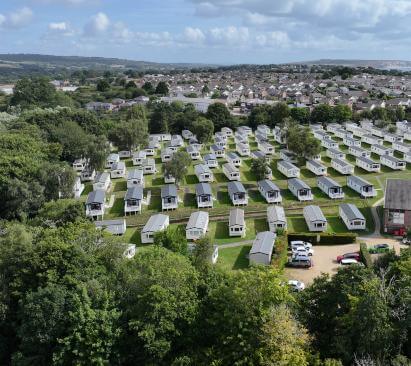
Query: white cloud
[(97, 24), (58, 29), (273, 39), (229, 35), (2, 19), (62, 26), (19, 18), (193, 35)]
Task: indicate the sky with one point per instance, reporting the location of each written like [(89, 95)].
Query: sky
[(212, 31)]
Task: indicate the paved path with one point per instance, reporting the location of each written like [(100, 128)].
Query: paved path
[(376, 218), (236, 244)]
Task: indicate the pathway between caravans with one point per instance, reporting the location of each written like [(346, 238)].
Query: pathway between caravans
[(236, 244)]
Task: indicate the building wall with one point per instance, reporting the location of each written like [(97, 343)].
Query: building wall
[(391, 228)]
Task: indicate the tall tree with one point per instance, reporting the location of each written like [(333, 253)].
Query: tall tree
[(178, 165), (162, 88), (203, 129), (220, 116), (260, 168), (322, 113), (342, 113)]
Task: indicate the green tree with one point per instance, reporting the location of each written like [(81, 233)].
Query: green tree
[(205, 90), (61, 212), (260, 167), (342, 113), (301, 115), (178, 165), (162, 88), (148, 87), (322, 113), (173, 239), (131, 134), (220, 116), (102, 85), (202, 253), (302, 143), (259, 115), (278, 113), (204, 129)]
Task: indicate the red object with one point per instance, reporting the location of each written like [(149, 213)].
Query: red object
[(348, 255)]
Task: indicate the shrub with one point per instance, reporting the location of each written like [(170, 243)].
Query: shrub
[(281, 252), (324, 238), (365, 255)]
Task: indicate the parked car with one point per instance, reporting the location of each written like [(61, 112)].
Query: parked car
[(299, 243), (348, 261), (379, 248), (296, 285), (354, 255), (406, 240), (303, 250), (300, 261)]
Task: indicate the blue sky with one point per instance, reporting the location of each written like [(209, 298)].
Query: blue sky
[(212, 31)]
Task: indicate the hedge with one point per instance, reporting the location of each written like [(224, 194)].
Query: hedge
[(324, 238), (280, 253), (365, 255)]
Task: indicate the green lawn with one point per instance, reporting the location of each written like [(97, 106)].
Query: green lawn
[(233, 258)]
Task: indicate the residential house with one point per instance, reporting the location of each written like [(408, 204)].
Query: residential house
[(361, 186), (330, 187), (315, 218), (262, 249), (288, 169), (227, 131), (352, 217), (237, 193), (236, 223), (197, 225), (392, 137), (155, 224), (257, 154), (329, 144), (288, 155), (269, 191), (95, 204), (204, 195), (133, 200), (124, 154), (187, 135), (300, 189), (169, 197), (316, 167), (276, 218)]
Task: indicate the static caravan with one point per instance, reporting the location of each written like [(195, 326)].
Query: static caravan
[(227, 131), (243, 149), (231, 172), (321, 135), (341, 133), (382, 150), (176, 140), (392, 137), (361, 186), (221, 135), (342, 166), (112, 159), (259, 138), (204, 195), (260, 155), (316, 167), (372, 140), (269, 191), (360, 132), (350, 126), (114, 227), (79, 165), (348, 141), (118, 170), (288, 169), (333, 127), (168, 178), (407, 156), (300, 189), (279, 135), (335, 154), (313, 157), (359, 152), (287, 155), (133, 200), (95, 204), (150, 149), (88, 175), (330, 187), (203, 173), (366, 124), (196, 145), (197, 225), (266, 148), (236, 223), (149, 166), (246, 130), (220, 142), (167, 155), (237, 193), (135, 177), (155, 224), (276, 218), (124, 154), (233, 158), (368, 164), (218, 151), (393, 162), (262, 249), (407, 135), (264, 129), (315, 218), (240, 138), (187, 135), (78, 188), (171, 147), (378, 131), (193, 152), (102, 182), (139, 157), (401, 147), (211, 160), (329, 144), (352, 217), (169, 197)]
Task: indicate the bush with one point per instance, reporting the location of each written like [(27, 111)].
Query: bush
[(281, 252), (365, 255), (324, 238)]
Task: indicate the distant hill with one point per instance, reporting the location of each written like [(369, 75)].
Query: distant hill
[(377, 64)]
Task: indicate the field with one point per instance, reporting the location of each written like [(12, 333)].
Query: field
[(256, 209)]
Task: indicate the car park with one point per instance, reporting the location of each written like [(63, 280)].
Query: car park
[(300, 261), (379, 248), (349, 261), (303, 250), (296, 285), (354, 255)]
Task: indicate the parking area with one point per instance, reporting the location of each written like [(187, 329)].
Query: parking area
[(325, 258)]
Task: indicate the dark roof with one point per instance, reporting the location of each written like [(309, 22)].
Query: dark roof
[(235, 187), (351, 211), (398, 194), (267, 185), (96, 197), (169, 190), (135, 192), (203, 189)]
